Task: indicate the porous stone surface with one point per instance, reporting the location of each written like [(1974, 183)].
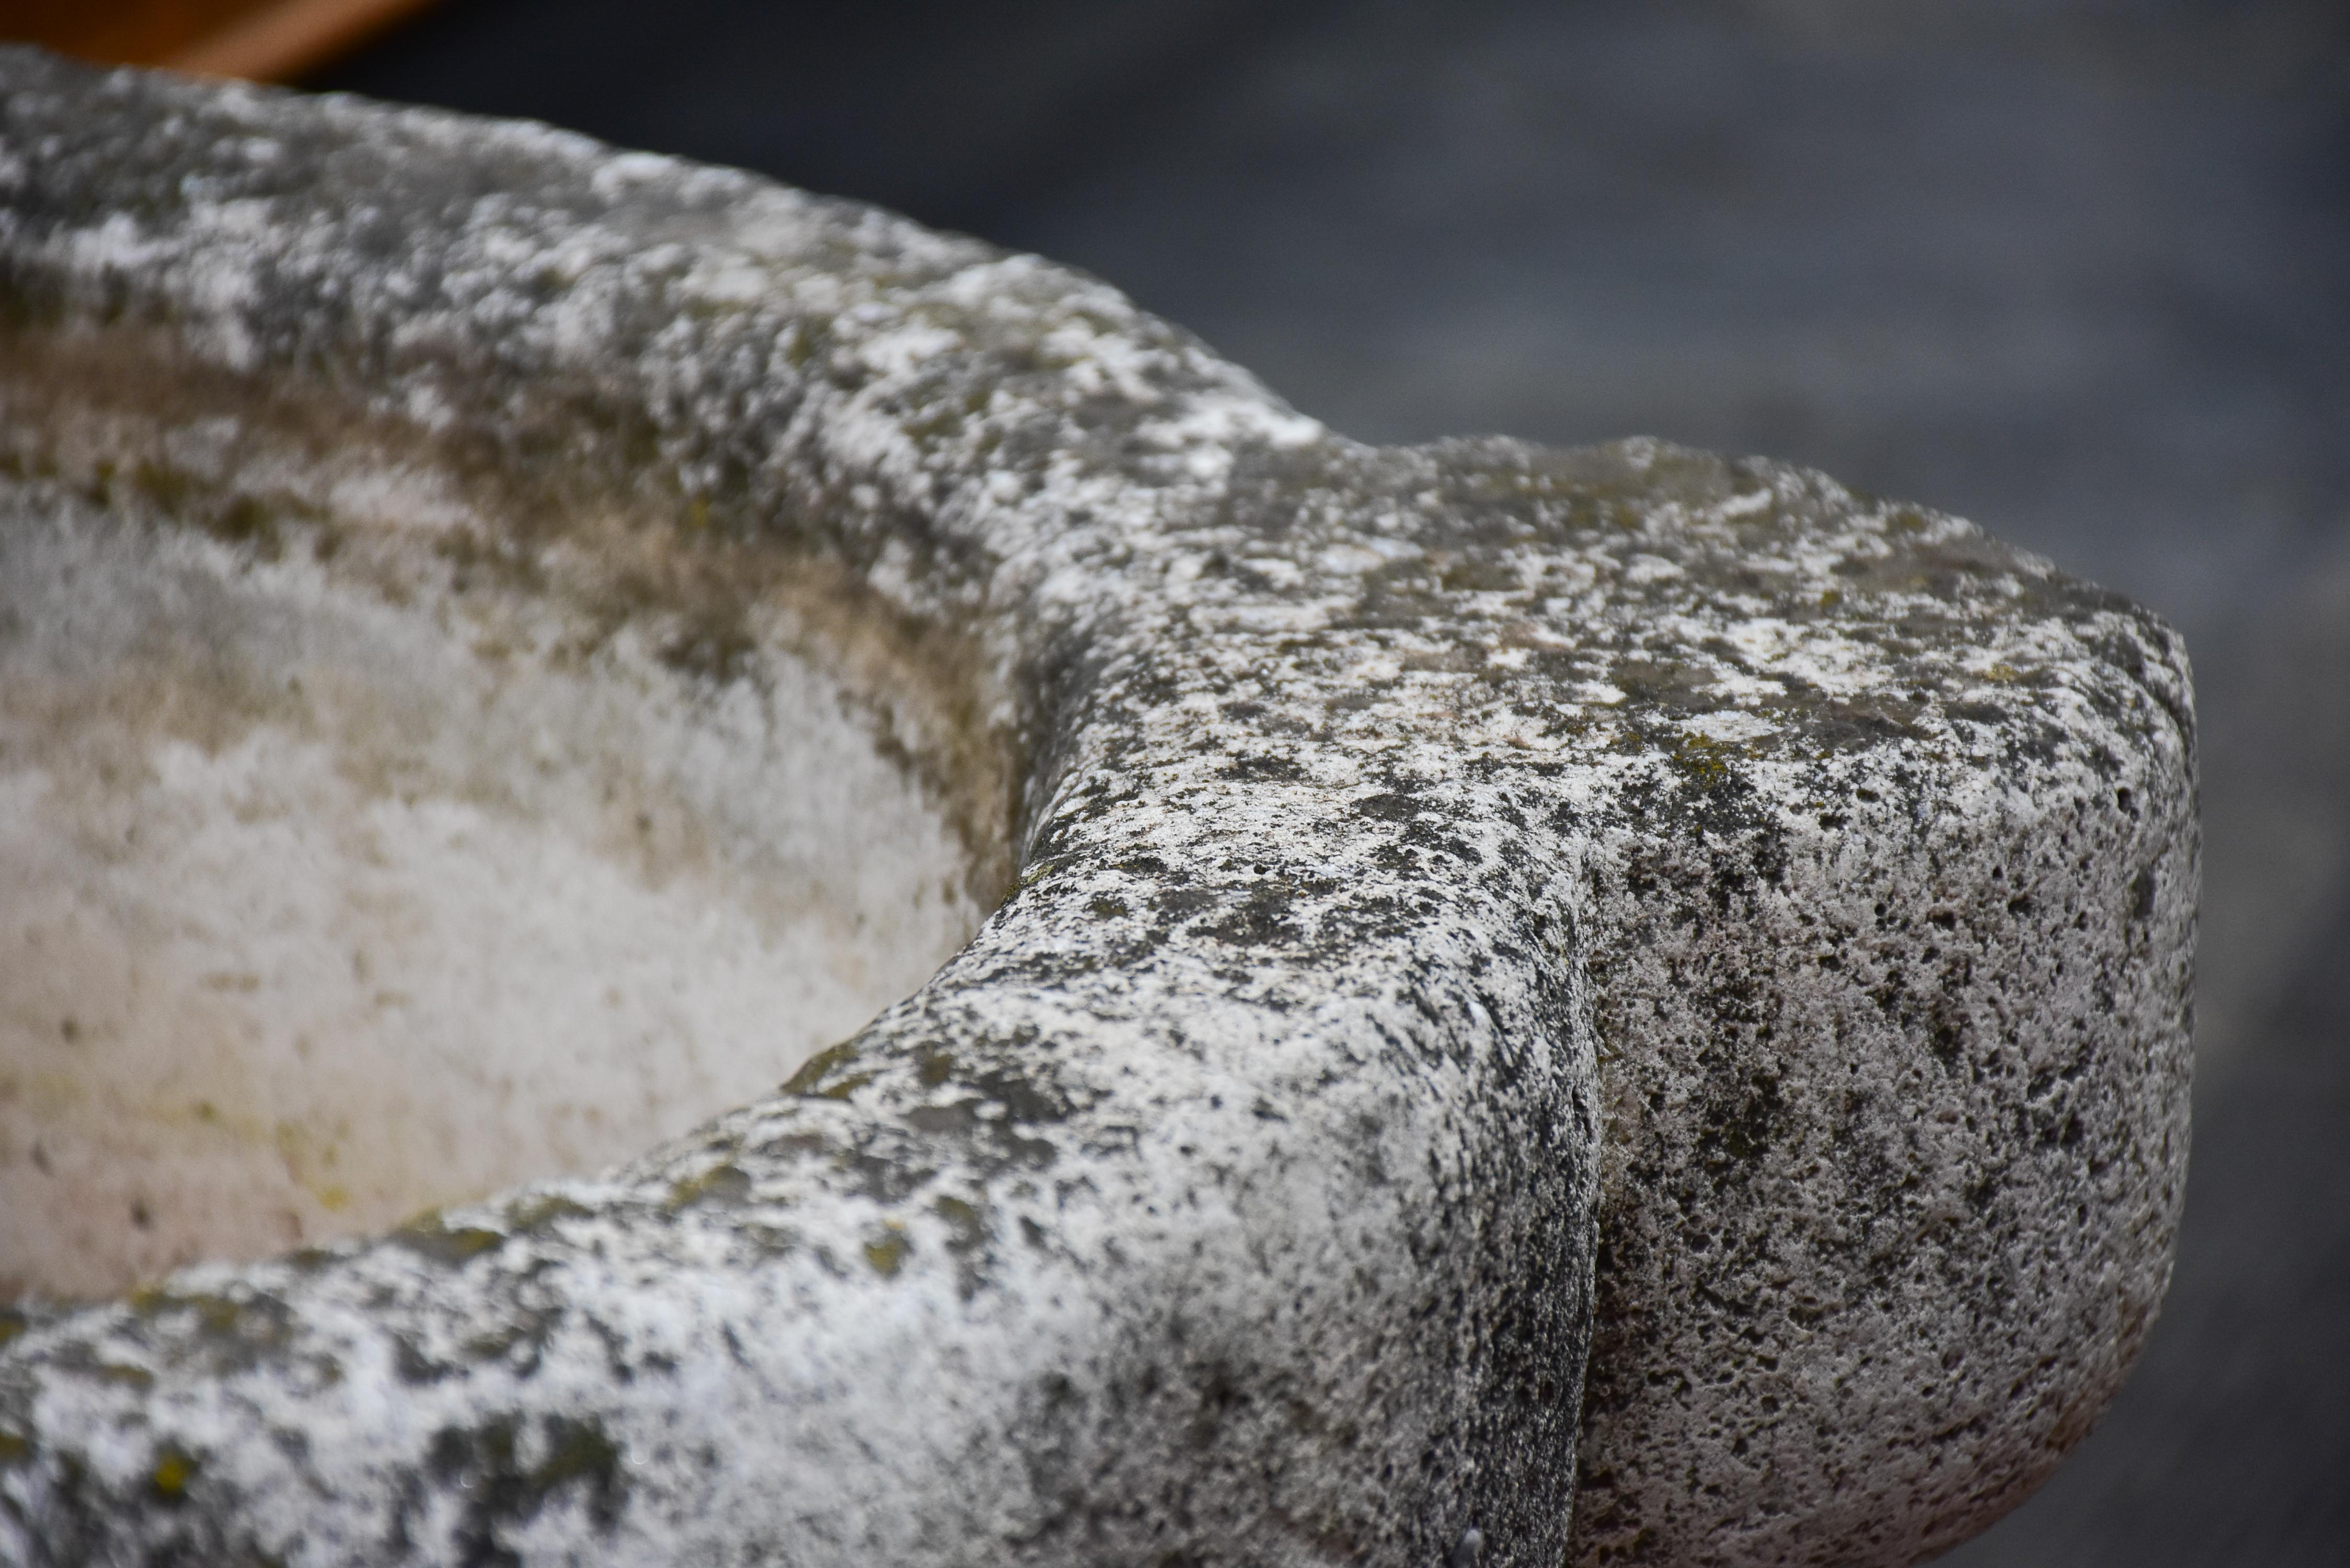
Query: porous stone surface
[(1512, 960)]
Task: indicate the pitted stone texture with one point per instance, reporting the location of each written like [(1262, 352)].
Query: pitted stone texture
[(1440, 873)]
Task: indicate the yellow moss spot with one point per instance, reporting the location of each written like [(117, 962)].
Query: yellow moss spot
[(723, 1180), (15, 1449), (428, 1235), (333, 1200), (1830, 598), (2004, 672), (530, 1213), (887, 1255), (814, 1070), (173, 1470), (217, 1313), (1706, 761), (307, 1157), (472, 1240)]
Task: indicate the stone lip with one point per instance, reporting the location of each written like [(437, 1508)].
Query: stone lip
[(1515, 960)]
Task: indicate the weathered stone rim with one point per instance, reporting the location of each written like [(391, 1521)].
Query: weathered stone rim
[(2103, 738)]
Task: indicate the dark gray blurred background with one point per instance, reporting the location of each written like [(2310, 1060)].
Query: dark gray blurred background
[(2080, 272)]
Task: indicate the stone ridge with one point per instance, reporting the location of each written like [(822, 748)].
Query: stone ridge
[(1476, 906)]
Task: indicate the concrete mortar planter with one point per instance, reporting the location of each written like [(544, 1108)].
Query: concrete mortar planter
[(1462, 965)]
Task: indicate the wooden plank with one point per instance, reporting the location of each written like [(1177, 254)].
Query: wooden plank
[(264, 40)]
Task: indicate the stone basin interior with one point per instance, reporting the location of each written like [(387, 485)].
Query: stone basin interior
[(343, 877)]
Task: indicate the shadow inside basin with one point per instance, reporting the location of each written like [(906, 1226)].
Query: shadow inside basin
[(343, 879)]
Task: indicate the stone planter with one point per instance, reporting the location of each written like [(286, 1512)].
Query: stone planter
[(1497, 1003)]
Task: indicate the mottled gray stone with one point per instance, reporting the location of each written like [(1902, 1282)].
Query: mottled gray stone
[(1506, 959)]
